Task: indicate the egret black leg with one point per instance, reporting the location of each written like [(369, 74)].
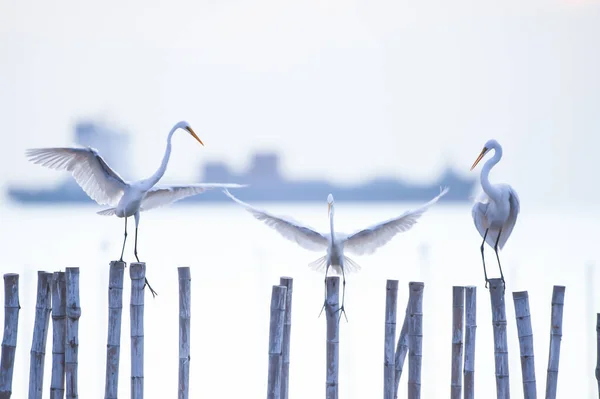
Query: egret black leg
[(135, 246), (138, 259), (325, 282), (483, 258), (124, 240), (498, 257), (341, 309)]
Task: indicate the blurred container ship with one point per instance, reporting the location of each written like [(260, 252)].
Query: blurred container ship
[(266, 183)]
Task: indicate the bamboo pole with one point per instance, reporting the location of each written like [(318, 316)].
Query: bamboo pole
[(73, 315), (113, 340), (525, 333), (137, 273), (415, 339), (277, 319), (558, 300), (287, 282), (59, 334), (40, 334), (389, 367), (470, 329), (185, 300), (333, 337), (9, 339), (458, 312), (598, 351), (500, 339), (401, 351)]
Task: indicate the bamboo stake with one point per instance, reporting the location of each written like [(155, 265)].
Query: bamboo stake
[(500, 339), (287, 282), (9, 340), (558, 300), (598, 351), (59, 334), (389, 367), (73, 315), (137, 273), (401, 351), (185, 300), (113, 340), (415, 339), (525, 333), (333, 337), (458, 312), (278, 294), (470, 329), (40, 335)]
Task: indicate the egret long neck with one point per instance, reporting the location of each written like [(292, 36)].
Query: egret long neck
[(488, 188), (331, 223), (152, 180)]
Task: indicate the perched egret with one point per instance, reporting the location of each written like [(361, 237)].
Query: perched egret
[(335, 243), (496, 208), (106, 187)]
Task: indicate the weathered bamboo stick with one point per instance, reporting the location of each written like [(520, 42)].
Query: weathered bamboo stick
[(185, 314), (558, 300), (500, 338), (137, 273), (59, 334), (415, 339), (333, 337), (470, 329), (401, 351), (40, 334), (458, 313), (277, 319), (113, 340), (598, 351), (9, 339), (73, 315), (525, 333), (389, 367), (287, 282)]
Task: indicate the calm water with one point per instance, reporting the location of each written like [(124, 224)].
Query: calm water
[(235, 260)]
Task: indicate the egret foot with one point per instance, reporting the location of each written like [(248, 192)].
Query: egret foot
[(342, 311), (154, 293), (323, 308)]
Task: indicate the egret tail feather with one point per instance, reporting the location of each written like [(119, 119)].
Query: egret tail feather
[(107, 212)]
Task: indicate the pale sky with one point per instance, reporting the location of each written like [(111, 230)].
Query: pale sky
[(346, 90)]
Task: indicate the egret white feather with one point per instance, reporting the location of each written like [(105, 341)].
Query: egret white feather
[(106, 187), (496, 209), (365, 241), (90, 171)]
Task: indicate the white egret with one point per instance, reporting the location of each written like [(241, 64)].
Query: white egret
[(106, 187), (362, 242), (496, 208)]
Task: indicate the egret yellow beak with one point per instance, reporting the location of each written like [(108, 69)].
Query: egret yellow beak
[(189, 129), (479, 157), (328, 208)]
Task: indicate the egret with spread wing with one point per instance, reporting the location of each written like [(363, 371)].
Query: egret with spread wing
[(106, 187), (361, 242), (495, 210)]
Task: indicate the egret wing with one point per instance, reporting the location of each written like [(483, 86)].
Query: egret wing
[(294, 231), (94, 176), (481, 218), (165, 195), (370, 239), (515, 208)]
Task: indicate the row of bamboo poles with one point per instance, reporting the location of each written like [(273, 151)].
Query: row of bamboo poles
[(410, 341), (58, 296)]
